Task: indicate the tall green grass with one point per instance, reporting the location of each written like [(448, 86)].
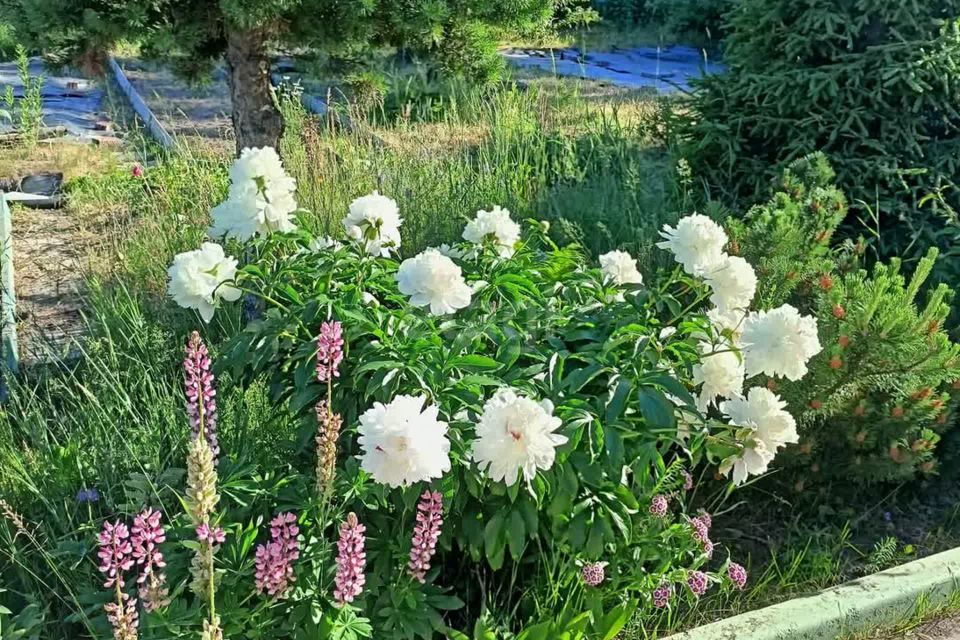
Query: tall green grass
[(603, 174)]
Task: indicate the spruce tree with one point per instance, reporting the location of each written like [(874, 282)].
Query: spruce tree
[(193, 35), (875, 84), (878, 397)]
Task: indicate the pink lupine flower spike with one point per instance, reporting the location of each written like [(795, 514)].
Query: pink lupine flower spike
[(425, 534), (201, 392), (274, 561), (351, 561), (329, 351)]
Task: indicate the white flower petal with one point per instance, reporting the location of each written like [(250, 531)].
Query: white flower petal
[(260, 199), (403, 443), (733, 282), (620, 268), (721, 373), (433, 279), (697, 243), (196, 279), (374, 222), (495, 227), (779, 342), (515, 435)]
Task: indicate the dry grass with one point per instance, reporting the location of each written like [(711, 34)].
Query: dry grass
[(74, 160)]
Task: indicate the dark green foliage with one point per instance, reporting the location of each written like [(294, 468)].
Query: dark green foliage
[(877, 398), (192, 34), (703, 17), (872, 83), (8, 41), (676, 17)]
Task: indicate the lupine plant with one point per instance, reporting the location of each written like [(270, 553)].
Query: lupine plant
[(499, 424)]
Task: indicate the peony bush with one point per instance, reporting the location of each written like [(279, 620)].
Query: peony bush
[(497, 435)]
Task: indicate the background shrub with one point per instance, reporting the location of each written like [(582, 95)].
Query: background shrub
[(678, 18), (703, 17), (872, 83), (878, 396), (8, 41)]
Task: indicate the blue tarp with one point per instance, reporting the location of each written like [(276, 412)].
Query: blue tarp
[(663, 68), (68, 101)]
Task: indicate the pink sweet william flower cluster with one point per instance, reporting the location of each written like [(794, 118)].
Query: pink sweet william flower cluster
[(329, 351), (351, 561), (701, 531), (737, 575), (662, 595), (659, 505), (698, 583), (593, 573), (687, 480), (705, 517), (274, 560), (201, 393), (425, 534), (146, 536)]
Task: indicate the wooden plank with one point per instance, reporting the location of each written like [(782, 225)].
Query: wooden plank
[(154, 127)]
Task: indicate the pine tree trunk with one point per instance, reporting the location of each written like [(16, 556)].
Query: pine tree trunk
[(256, 120)]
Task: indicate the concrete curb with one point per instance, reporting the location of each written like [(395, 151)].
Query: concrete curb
[(139, 106), (8, 301), (874, 600)]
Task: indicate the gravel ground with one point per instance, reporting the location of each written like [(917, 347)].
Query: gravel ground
[(946, 629)]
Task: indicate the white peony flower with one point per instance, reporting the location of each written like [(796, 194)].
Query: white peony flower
[(754, 460), (620, 268), (765, 413), (451, 252), (403, 442), (496, 227), (197, 279), (260, 199), (720, 371), (374, 222), (432, 278), (770, 427), (324, 243), (697, 243), (779, 342), (516, 434), (734, 283), (730, 322)]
